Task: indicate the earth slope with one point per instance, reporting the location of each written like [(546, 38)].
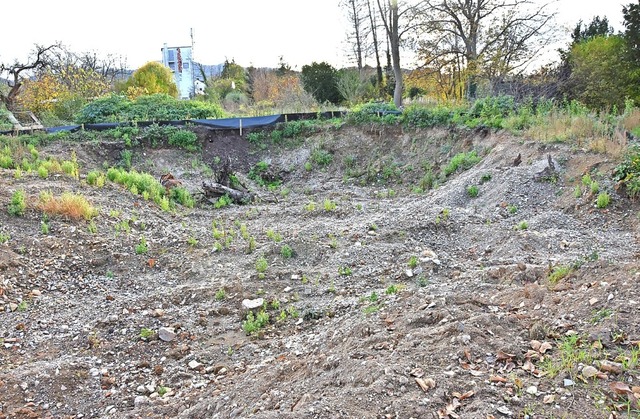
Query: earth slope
[(394, 304)]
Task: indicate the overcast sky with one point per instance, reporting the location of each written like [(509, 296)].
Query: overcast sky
[(253, 32)]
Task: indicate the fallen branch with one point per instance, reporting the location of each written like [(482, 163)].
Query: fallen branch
[(214, 190)]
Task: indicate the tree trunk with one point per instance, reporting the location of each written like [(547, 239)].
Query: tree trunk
[(391, 23), (374, 33), (213, 190)]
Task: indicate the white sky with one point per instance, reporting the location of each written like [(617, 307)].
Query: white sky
[(253, 32)]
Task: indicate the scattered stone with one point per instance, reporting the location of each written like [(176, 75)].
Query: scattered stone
[(252, 304), (140, 401), (167, 334), (568, 383), (504, 410), (158, 312), (194, 365), (533, 390)]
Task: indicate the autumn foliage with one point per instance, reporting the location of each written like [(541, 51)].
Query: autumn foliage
[(151, 78), (62, 93)]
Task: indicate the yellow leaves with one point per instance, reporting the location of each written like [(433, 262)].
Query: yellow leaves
[(50, 90)]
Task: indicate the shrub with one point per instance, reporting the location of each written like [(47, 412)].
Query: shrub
[(156, 107), (253, 323), (223, 201), (184, 139), (183, 197), (18, 203), (96, 178), (472, 191), (321, 157), (422, 117), (68, 204), (558, 273), (373, 112), (603, 200), (462, 161), (142, 246), (261, 265), (628, 172), (286, 251)]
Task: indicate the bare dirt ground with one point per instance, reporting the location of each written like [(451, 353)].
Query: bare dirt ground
[(394, 304)]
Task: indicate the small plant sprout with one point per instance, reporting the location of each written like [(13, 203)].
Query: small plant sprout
[(329, 205), (522, 225), (261, 266), (18, 203), (577, 191), (603, 200), (344, 271), (373, 227), (146, 334), (192, 241), (512, 209), (221, 294), (559, 273), (255, 322), (473, 191), (413, 262), (393, 289), (286, 251), (142, 246)]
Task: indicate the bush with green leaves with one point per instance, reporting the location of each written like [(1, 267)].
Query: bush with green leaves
[(255, 322), (627, 173), (321, 157), (296, 129), (261, 173), (473, 191), (18, 203), (374, 112), (462, 161), (184, 139), (427, 117), (156, 107)]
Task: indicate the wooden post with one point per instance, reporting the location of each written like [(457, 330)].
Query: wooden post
[(241, 127), (286, 118)]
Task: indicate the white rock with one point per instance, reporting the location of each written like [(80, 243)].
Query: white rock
[(167, 334), (533, 390), (140, 401), (194, 364), (251, 304)]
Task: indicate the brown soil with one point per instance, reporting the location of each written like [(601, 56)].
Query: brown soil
[(473, 327)]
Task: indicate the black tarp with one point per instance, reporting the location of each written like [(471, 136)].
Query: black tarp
[(66, 128), (234, 123), (222, 124)]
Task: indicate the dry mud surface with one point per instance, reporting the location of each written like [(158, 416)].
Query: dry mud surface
[(472, 327)]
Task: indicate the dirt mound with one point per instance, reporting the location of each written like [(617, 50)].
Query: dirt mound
[(384, 299)]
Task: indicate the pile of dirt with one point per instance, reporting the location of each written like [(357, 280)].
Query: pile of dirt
[(384, 300)]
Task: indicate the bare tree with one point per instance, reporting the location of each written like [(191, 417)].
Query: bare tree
[(357, 19), (398, 23), (373, 20), (490, 37), (110, 67), (40, 58)]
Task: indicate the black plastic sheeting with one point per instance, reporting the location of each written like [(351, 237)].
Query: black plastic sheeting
[(221, 124), (236, 123)]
